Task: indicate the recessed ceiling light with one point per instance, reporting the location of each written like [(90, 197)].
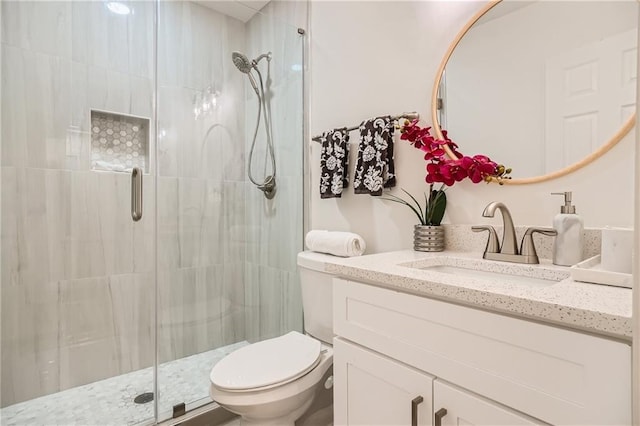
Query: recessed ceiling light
[(118, 8)]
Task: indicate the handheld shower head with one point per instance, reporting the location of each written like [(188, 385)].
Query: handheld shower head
[(242, 62), (245, 66)]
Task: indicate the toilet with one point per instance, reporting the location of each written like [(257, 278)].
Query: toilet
[(275, 381)]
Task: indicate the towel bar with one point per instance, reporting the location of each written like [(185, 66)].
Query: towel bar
[(407, 115)]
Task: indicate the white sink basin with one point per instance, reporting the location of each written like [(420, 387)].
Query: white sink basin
[(475, 273), (487, 270)]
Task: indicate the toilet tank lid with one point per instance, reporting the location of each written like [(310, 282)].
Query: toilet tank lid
[(266, 363), (314, 260)]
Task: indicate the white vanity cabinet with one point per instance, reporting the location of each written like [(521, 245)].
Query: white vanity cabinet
[(371, 389), (483, 368)]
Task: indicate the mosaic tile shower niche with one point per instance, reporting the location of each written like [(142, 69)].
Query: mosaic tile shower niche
[(119, 142)]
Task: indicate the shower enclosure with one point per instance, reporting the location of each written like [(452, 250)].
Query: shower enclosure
[(107, 320)]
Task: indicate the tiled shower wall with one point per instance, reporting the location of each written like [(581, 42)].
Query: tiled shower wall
[(275, 226), (201, 204)]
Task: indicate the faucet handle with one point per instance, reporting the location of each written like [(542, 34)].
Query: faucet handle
[(492, 243), (528, 248)]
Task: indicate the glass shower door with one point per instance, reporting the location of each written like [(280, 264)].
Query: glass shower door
[(226, 255), (78, 275)]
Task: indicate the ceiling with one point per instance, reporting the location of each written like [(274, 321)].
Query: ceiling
[(241, 10)]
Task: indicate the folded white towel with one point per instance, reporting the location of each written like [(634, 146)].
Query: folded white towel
[(345, 244), (109, 166)]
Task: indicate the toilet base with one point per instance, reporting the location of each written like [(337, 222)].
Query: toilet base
[(278, 406), (282, 412), (288, 420)]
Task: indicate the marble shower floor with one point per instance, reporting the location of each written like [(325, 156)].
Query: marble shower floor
[(110, 401)]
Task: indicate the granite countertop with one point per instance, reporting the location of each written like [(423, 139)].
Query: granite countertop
[(594, 308)]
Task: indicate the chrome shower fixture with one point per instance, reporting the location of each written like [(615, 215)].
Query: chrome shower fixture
[(242, 62), (247, 66)]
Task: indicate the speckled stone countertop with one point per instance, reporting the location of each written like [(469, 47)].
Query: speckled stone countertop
[(594, 308)]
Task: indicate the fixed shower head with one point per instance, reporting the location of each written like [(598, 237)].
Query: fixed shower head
[(242, 62)]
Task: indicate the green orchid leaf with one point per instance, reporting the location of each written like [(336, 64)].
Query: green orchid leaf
[(437, 207), (401, 201)]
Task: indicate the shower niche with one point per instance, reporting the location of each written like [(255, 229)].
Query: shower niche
[(119, 142)]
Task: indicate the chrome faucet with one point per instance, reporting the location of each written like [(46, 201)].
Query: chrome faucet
[(509, 245), (508, 250)]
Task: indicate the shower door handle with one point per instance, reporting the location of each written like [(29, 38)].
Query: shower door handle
[(136, 194)]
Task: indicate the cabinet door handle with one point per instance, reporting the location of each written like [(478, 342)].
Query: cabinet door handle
[(438, 416), (414, 409), (136, 194)]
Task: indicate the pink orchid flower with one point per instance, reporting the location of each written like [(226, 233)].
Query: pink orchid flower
[(441, 169)]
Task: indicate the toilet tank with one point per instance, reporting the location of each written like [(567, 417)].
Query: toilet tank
[(317, 295)]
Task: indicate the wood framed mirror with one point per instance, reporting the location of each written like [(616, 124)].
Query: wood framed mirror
[(543, 87)]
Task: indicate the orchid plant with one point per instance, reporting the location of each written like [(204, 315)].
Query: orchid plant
[(444, 170)]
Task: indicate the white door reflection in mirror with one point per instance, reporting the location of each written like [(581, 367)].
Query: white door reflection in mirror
[(590, 93), (540, 85)]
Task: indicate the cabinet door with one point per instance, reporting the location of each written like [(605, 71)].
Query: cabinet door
[(371, 389), (465, 408)]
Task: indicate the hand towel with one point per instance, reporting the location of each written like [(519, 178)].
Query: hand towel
[(334, 170), (375, 168), (345, 244)]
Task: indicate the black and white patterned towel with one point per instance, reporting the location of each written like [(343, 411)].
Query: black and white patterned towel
[(334, 158), (375, 168)]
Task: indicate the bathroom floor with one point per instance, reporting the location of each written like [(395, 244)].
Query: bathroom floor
[(110, 401)]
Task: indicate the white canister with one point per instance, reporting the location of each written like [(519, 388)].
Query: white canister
[(616, 249)]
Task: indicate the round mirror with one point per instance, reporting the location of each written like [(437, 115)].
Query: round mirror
[(543, 87)]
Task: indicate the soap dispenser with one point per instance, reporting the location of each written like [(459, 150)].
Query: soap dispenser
[(567, 247)]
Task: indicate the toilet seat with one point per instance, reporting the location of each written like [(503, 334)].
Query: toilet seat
[(267, 364)]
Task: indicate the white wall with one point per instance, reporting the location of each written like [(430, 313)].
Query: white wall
[(375, 58)]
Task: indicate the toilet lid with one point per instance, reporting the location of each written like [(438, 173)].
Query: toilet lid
[(265, 363)]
